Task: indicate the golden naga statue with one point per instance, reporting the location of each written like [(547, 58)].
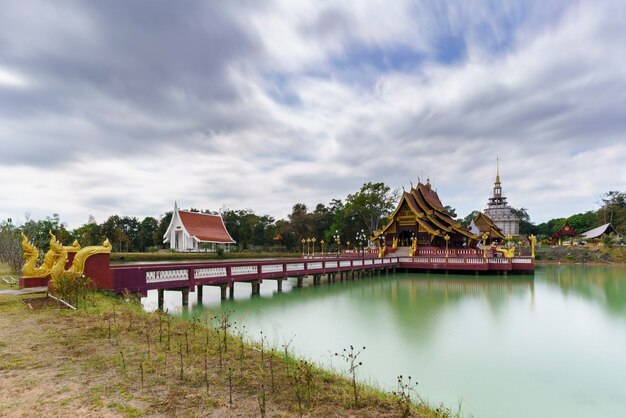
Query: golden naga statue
[(508, 253), (31, 257), (56, 258), (395, 243)]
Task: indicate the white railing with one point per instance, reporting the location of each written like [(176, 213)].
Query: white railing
[(498, 261), (166, 276), (357, 263), (437, 259), (295, 266), (314, 266), (377, 261), (475, 261), (406, 260), (210, 272), (522, 261), (240, 270), (344, 264), (368, 262), (271, 268)]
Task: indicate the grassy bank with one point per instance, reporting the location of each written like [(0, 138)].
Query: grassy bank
[(582, 254), (172, 256), (110, 358)]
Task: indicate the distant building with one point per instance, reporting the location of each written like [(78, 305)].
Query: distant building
[(598, 232), (499, 210), (192, 231)]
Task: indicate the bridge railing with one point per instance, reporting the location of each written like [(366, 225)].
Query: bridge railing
[(143, 277)]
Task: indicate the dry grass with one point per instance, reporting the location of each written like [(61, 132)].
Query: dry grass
[(89, 363)]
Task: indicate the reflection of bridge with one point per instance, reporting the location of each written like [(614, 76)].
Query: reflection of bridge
[(186, 277)]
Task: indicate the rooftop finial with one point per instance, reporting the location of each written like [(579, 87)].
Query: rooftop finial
[(497, 170)]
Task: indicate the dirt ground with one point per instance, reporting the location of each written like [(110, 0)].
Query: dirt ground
[(119, 361)]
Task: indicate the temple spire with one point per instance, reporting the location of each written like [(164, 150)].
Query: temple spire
[(497, 170)]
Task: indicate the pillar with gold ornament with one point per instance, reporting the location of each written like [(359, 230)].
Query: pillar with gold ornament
[(322, 244), (303, 242), (447, 239), (485, 237), (313, 245), (533, 242)]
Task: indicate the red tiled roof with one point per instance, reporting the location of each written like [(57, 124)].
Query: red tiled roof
[(205, 227)]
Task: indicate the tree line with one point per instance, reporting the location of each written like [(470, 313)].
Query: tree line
[(365, 210)]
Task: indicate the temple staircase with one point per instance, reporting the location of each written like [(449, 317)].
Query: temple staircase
[(402, 252)]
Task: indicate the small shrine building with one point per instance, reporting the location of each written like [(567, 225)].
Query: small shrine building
[(483, 224), (566, 231), (421, 216), (193, 231)]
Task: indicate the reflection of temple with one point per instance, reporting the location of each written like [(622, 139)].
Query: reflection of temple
[(500, 211), (420, 216)]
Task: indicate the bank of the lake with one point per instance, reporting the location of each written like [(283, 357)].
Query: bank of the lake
[(544, 346), (111, 358)]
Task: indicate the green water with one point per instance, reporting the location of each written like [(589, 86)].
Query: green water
[(552, 346)]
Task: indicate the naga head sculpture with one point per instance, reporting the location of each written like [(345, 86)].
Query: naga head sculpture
[(29, 249)]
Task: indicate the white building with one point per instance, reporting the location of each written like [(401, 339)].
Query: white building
[(188, 231), (499, 210)]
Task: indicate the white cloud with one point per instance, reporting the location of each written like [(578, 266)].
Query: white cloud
[(274, 115)]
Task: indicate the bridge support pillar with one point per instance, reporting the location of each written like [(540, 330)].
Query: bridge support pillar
[(185, 294), (317, 279), (279, 285), (223, 288), (231, 290), (300, 279), (161, 298), (199, 294), (256, 287)]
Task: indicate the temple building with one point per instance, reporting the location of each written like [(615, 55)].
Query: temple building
[(499, 211), (483, 224), (421, 216), (193, 231)]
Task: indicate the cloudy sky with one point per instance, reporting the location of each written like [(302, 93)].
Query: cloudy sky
[(118, 107)]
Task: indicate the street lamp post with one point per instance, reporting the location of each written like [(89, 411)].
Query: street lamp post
[(322, 242), (313, 242), (485, 237), (303, 241), (360, 238), (338, 241), (308, 248)]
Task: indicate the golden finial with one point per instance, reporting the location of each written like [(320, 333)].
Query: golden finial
[(497, 170)]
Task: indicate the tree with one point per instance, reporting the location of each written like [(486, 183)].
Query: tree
[(613, 209), (451, 211), (469, 218), (148, 233), (10, 246), (368, 208)]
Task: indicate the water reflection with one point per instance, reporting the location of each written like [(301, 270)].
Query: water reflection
[(515, 346)]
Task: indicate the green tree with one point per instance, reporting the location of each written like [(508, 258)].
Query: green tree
[(148, 233), (469, 218), (367, 209)]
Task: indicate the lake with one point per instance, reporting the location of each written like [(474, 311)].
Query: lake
[(552, 345)]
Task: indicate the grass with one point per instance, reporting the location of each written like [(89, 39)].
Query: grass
[(110, 358), (581, 254)]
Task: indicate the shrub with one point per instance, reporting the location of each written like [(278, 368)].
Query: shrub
[(72, 287)]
